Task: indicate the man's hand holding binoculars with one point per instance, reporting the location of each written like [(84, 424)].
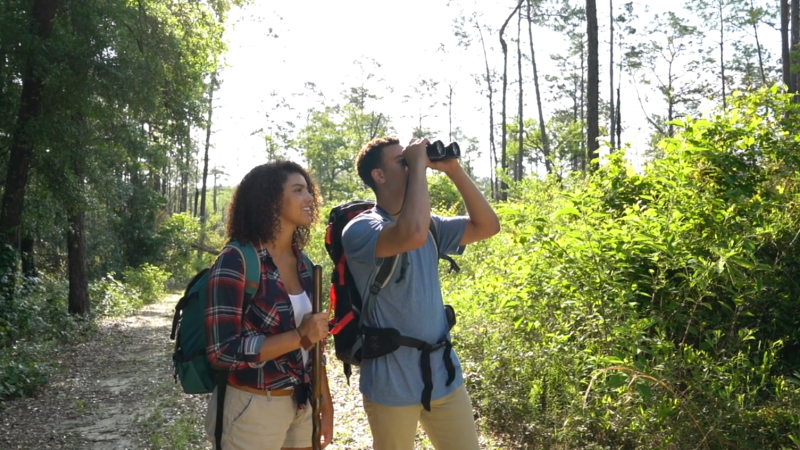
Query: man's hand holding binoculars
[(435, 155)]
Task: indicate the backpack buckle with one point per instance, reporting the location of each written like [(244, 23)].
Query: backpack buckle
[(374, 289)]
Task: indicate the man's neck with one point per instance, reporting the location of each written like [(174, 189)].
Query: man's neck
[(390, 205)]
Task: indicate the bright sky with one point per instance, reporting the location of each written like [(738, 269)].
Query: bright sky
[(319, 40)]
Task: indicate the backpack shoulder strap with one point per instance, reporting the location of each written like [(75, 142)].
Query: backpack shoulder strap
[(381, 280), (434, 230), (252, 278), (307, 261), (252, 270)]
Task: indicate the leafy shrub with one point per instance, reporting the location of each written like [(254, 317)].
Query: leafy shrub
[(21, 370), (177, 256), (110, 297), (32, 322), (652, 310), (148, 281)]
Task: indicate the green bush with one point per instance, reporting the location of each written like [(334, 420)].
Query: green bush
[(21, 370), (646, 310), (32, 322), (148, 281), (110, 297), (177, 256)]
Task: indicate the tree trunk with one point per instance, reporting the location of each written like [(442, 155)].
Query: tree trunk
[(196, 200), (214, 198), (582, 109), (786, 59), (795, 46), (450, 113), (670, 100), (208, 144), (758, 48), (618, 122), (611, 115), (492, 147), (619, 119), (77, 271), (28, 261), (592, 94), (184, 174), (548, 164), (78, 297), (504, 137), (21, 155), (722, 54), (521, 131)]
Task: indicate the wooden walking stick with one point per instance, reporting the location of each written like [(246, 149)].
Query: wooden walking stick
[(316, 364)]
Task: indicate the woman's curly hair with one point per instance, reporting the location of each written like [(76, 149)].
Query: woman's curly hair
[(255, 209)]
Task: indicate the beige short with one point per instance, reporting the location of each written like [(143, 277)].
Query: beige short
[(253, 421), (449, 424)]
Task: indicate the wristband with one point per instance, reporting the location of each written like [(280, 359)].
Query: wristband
[(305, 342)]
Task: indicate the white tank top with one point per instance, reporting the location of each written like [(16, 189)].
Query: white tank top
[(301, 305)]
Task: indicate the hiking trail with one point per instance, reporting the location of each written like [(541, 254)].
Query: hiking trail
[(116, 391)]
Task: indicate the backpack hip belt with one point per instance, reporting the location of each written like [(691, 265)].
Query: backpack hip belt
[(378, 342)]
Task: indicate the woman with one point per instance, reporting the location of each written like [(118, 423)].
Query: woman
[(266, 349)]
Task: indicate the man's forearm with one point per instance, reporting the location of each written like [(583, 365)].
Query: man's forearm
[(415, 216), (478, 208)]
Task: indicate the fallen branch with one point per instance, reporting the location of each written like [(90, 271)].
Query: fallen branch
[(201, 247)]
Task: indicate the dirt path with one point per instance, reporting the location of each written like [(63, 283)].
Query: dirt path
[(116, 392)]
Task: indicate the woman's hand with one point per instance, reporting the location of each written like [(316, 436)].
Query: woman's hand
[(314, 326)]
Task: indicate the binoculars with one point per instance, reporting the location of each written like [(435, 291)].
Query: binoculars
[(437, 151)]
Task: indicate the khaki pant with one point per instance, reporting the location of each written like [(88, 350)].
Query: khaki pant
[(449, 424), (251, 421)]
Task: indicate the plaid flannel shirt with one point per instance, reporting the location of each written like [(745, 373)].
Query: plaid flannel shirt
[(235, 343)]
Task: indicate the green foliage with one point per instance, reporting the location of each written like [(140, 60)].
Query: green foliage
[(110, 297), (176, 256), (114, 297), (148, 281), (21, 373), (652, 310), (444, 194), (32, 321), (332, 138)]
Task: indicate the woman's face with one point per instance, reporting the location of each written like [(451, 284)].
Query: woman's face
[(297, 204)]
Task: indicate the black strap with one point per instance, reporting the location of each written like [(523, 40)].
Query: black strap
[(384, 273), (427, 379), (222, 384), (386, 270), (448, 363), (348, 370), (425, 364), (435, 233)]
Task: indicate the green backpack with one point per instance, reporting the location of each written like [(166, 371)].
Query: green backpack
[(192, 367)]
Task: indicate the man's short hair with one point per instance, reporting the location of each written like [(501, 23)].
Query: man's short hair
[(371, 157)]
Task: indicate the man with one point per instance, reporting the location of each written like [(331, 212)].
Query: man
[(395, 394)]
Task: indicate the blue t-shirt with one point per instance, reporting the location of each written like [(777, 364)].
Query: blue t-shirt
[(413, 306)]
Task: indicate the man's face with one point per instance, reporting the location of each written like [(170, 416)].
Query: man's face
[(394, 169)]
